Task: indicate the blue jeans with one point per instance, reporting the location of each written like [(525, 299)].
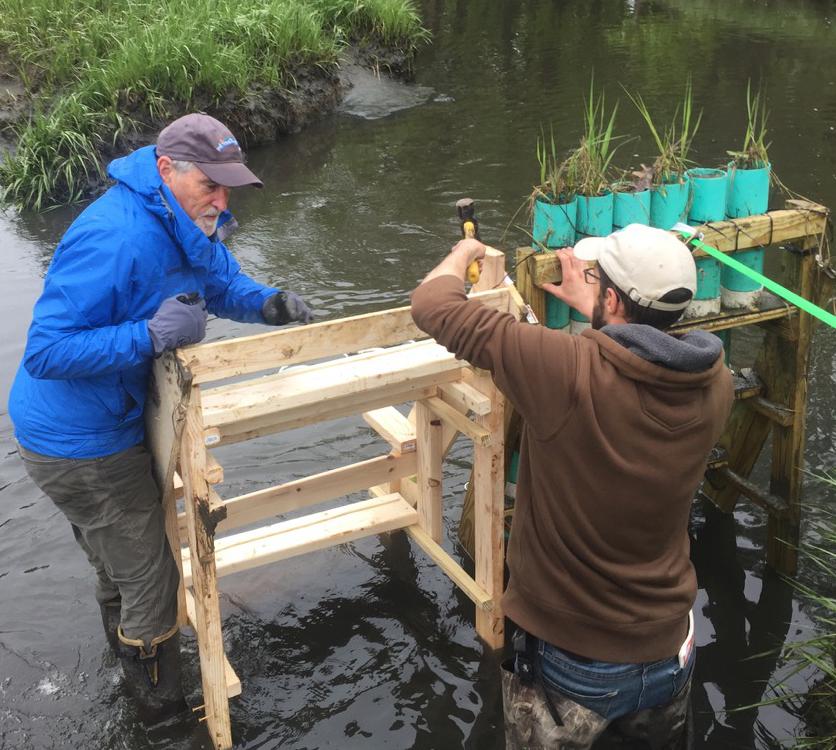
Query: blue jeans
[(612, 690)]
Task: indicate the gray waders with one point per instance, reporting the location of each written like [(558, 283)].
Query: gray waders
[(541, 718)]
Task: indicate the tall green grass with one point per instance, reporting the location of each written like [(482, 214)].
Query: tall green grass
[(818, 706), (98, 68)]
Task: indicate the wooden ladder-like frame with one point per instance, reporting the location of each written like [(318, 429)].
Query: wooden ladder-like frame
[(186, 416)]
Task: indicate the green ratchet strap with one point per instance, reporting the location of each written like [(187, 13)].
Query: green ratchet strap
[(691, 237)]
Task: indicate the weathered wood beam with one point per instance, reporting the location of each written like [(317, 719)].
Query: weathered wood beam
[(249, 354), (771, 503), (201, 518), (169, 391)]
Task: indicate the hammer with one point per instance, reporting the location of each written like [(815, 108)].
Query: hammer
[(466, 209)]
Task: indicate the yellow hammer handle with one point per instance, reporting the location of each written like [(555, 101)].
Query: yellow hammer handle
[(469, 229)]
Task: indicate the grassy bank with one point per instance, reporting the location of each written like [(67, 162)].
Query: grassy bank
[(102, 71)]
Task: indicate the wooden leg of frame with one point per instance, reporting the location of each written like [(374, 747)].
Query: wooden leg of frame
[(428, 436), (201, 525), (489, 503)]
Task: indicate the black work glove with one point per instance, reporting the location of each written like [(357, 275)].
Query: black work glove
[(285, 307), (179, 321)]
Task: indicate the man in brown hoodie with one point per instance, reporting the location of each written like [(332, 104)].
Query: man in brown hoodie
[(618, 424)]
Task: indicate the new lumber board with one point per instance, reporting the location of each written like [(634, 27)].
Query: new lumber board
[(315, 385), (245, 355), (393, 427), (318, 488), (315, 531), (233, 684)]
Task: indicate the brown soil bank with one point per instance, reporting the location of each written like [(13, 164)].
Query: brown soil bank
[(260, 115)]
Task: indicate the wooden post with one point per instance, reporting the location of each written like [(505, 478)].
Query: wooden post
[(787, 359), (429, 439), (489, 498), (493, 271), (533, 295), (202, 517), (169, 390)]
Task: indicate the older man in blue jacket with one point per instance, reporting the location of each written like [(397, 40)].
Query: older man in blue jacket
[(133, 276)]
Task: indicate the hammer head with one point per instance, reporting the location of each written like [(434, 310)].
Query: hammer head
[(466, 209)]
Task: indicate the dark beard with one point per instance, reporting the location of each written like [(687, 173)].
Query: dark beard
[(598, 321)]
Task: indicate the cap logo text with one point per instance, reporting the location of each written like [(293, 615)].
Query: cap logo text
[(227, 142)]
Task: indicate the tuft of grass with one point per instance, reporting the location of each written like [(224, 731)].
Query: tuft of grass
[(112, 65), (589, 164), (674, 141), (755, 151), (818, 705)]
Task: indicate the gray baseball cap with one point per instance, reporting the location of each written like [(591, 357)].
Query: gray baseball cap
[(210, 146)]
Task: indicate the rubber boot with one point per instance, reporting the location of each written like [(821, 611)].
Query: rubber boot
[(152, 675), (111, 617)]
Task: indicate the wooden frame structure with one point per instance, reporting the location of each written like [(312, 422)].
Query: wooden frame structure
[(188, 412), (771, 397)]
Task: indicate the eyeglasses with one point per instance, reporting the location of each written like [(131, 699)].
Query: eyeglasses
[(590, 276)]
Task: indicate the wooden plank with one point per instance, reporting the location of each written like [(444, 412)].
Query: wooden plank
[(451, 568), (250, 549), (729, 236), (214, 471), (393, 427), (203, 576), (334, 409), (786, 364), (313, 387), (319, 488), (493, 270), (449, 414), (169, 390), (774, 505), (530, 292), (429, 471), (465, 397), (772, 228), (249, 354), (489, 498), (233, 684)]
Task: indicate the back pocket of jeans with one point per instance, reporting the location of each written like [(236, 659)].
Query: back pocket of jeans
[(598, 700)]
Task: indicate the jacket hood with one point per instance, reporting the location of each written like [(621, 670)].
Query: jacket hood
[(138, 172), (649, 355)]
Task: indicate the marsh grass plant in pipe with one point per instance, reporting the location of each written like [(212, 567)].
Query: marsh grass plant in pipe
[(553, 208), (670, 199), (114, 71), (590, 167), (750, 174), (631, 197)]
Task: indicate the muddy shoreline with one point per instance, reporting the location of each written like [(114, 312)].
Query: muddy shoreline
[(258, 116)]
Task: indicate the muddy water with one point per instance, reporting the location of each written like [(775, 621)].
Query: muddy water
[(367, 645)]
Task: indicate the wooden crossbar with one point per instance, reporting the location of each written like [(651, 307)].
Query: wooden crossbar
[(265, 351), (318, 488), (250, 549), (233, 684)]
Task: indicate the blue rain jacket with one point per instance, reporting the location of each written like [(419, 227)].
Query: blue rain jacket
[(80, 389)]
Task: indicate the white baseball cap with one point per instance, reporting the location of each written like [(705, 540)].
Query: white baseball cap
[(643, 262)]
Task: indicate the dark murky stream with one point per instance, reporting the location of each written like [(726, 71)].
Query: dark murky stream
[(368, 645)]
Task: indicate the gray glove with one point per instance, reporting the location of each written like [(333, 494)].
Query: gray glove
[(285, 307), (179, 321)]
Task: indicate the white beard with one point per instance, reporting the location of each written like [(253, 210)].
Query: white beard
[(207, 224)]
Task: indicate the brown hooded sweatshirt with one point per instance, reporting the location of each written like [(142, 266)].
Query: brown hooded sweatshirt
[(613, 448)]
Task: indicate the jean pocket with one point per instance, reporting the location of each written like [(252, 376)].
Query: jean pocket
[(681, 677), (597, 698)]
